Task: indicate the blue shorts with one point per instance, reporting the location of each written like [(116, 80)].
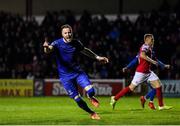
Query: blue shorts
[(71, 84)]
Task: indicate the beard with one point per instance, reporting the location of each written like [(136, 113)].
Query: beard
[(69, 39)]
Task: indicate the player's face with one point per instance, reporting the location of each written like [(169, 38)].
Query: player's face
[(67, 34), (150, 40)]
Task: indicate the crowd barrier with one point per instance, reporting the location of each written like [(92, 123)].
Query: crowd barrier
[(103, 87), (53, 87), (16, 87)]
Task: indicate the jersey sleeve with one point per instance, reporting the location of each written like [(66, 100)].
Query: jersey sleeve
[(79, 46), (54, 44), (144, 48)]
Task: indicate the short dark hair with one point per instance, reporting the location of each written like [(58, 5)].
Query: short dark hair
[(147, 35), (65, 26)]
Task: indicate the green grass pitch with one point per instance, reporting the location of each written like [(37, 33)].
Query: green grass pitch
[(64, 111)]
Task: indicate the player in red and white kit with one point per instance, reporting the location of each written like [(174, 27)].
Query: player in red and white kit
[(143, 73)]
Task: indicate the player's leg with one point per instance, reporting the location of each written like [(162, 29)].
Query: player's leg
[(85, 83), (120, 94), (124, 91), (143, 100), (71, 89), (156, 83), (135, 82), (138, 79), (150, 95)]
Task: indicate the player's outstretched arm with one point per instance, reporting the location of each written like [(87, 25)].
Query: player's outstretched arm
[(131, 64), (92, 55), (144, 56), (47, 48), (160, 63)]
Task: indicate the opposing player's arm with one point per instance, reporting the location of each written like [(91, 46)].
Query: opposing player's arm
[(92, 55), (160, 63), (47, 48), (131, 64), (144, 56)]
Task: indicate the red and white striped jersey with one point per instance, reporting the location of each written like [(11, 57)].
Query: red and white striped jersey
[(144, 65)]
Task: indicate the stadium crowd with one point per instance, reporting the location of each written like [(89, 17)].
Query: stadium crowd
[(21, 54)]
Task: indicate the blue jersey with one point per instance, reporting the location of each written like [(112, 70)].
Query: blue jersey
[(66, 54)]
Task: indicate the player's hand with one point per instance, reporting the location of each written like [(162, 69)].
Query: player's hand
[(46, 44), (124, 69), (167, 66), (155, 63), (103, 60)]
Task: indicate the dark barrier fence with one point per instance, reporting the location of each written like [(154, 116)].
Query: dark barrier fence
[(53, 87)]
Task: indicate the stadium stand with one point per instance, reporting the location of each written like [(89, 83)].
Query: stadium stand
[(21, 54)]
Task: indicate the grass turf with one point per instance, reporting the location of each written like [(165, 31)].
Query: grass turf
[(64, 111)]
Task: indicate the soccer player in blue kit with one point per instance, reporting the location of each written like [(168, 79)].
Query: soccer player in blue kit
[(70, 73)]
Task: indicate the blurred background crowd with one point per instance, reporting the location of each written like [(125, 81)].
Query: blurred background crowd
[(21, 52)]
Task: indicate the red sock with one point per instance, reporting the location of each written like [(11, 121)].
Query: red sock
[(159, 96), (122, 93)]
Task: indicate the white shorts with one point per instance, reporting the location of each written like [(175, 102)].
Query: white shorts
[(142, 77)]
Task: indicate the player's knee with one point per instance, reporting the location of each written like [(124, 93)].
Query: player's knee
[(156, 83), (90, 90), (132, 87), (76, 97), (159, 83)]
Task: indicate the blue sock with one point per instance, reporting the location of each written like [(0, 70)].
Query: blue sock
[(91, 92), (82, 104), (151, 94)]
